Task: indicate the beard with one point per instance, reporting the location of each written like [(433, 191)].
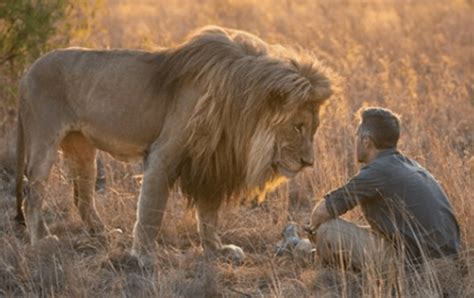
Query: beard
[(361, 155)]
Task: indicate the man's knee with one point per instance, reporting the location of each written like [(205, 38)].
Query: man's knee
[(329, 229)]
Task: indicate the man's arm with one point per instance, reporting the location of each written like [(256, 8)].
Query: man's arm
[(319, 215), (362, 187)]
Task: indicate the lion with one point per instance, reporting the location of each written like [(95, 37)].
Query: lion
[(223, 114)]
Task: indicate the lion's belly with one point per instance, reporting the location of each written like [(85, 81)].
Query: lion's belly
[(120, 148), (127, 158)]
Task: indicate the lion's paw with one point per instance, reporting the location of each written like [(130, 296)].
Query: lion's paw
[(51, 238), (115, 232), (106, 236), (145, 260), (112, 234), (46, 243), (232, 253)]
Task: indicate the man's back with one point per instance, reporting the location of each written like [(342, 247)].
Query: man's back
[(417, 207)]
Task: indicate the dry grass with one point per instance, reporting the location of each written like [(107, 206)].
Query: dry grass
[(414, 57)]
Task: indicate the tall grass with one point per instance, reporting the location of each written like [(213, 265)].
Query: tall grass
[(414, 57)]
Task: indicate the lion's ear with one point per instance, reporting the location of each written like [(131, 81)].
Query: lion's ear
[(322, 93), (326, 83), (320, 78), (322, 90)]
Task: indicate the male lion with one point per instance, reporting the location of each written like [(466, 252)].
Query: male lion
[(224, 114)]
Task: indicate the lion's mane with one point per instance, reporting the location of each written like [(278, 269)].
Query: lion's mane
[(247, 88)]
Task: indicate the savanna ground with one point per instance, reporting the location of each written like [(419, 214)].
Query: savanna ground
[(414, 57)]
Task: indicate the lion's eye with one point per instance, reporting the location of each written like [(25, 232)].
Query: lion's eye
[(299, 127)]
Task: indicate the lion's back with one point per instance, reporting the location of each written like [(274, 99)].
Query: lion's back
[(83, 65), (86, 77), (108, 95)]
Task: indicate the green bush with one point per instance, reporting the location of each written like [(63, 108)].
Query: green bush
[(25, 27)]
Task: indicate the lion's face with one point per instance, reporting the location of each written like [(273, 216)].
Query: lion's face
[(294, 142)]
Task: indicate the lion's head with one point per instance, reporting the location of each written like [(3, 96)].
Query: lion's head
[(256, 118), (283, 147), (294, 142)]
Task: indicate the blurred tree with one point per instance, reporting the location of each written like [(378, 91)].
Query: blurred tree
[(25, 27), (28, 29)]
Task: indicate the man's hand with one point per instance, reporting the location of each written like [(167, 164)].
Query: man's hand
[(319, 215)]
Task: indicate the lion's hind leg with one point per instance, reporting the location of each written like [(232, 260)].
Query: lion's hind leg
[(79, 158), (40, 158)]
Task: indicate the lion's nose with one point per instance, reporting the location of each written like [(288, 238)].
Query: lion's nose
[(307, 161)]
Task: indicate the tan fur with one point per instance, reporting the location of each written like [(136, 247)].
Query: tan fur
[(224, 114)]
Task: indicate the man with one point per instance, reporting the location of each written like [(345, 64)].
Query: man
[(408, 212)]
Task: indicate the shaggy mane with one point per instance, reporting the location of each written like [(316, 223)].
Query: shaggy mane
[(247, 87)]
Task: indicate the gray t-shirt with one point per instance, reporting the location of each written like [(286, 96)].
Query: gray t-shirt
[(403, 202)]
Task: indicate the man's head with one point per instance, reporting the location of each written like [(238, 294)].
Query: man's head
[(379, 129)]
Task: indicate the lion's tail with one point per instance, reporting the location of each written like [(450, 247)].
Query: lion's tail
[(20, 170)]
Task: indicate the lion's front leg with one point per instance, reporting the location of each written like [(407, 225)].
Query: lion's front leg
[(151, 207), (207, 216), (160, 175)]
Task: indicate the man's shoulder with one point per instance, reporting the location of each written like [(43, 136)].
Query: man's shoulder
[(390, 161), (397, 165)]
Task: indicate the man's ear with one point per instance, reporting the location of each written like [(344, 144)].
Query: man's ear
[(367, 142)]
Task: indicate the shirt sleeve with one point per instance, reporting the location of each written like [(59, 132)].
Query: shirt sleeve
[(364, 186)]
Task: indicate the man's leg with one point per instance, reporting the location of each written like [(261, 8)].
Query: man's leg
[(342, 243)]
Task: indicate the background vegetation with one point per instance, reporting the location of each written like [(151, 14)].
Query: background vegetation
[(414, 57)]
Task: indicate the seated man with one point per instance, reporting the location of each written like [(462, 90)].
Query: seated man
[(408, 211)]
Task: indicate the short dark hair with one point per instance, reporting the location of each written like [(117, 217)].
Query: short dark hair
[(381, 125)]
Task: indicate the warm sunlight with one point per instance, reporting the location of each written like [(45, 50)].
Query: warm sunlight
[(252, 119)]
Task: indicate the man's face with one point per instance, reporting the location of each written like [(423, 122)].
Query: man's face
[(361, 147)]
